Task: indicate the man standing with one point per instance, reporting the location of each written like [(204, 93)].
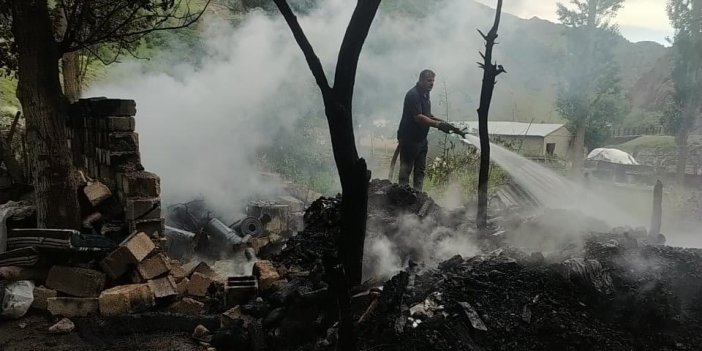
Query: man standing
[(414, 127)]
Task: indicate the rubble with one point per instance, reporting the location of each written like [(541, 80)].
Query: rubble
[(187, 306), (613, 290), (198, 284), (41, 295), (126, 299), (64, 326), (72, 306), (74, 281)]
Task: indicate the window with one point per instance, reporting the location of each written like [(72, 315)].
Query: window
[(550, 148)]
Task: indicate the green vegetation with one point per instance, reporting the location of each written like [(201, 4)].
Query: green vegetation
[(457, 164), (303, 155), (659, 143)]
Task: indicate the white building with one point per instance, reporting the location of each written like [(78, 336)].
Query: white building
[(530, 139)]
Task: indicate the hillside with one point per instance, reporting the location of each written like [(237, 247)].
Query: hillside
[(532, 51)]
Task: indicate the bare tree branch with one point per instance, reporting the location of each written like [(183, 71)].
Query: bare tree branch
[(312, 60), (347, 63)]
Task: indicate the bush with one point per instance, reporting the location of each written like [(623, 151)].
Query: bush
[(460, 164)]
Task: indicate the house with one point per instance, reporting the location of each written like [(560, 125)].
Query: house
[(529, 139)]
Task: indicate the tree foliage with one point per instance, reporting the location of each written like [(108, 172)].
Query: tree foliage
[(591, 96), (105, 29), (683, 107)]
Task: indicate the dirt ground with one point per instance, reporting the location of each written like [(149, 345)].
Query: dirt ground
[(30, 333)]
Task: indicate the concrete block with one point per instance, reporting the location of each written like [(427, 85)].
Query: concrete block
[(72, 306), (139, 184), (96, 192), (182, 286), (123, 142), (153, 266), (163, 287), (103, 107), (75, 281), (266, 274), (198, 285), (126, 299), (119, 124), (139, 208), (139, 244), (177, 271), (124, 161), (41, 295), (199, 267), (187, 306), (118, 262)]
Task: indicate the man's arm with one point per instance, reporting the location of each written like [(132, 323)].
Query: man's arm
[(430, 121)]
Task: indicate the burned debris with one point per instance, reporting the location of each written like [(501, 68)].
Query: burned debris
[(257, 284)]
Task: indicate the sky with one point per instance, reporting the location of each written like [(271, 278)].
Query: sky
[(639, 20)]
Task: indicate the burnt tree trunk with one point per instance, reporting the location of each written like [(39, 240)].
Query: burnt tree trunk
[(353, 171), (39, 92), (490, 72)]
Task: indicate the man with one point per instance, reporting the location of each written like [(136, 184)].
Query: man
[(414, 127)]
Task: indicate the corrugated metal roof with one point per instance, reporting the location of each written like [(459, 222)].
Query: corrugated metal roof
[(514, 128)]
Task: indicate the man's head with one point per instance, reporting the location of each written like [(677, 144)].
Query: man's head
[(426, 80)]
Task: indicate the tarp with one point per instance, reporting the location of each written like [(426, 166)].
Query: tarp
[(612, 155)]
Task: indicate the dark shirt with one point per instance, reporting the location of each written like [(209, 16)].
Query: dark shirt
[(416, 103)]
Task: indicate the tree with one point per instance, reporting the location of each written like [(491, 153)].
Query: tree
[(591, 98), (684, 107), (490, 73), (89, 25), (353, 171)]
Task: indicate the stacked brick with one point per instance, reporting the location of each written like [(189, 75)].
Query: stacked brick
[(134, 278), (104, 144)]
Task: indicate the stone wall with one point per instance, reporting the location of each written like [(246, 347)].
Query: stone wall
[(105, 147)]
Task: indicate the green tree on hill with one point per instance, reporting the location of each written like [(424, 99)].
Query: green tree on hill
[(591, 97), (685, 103)]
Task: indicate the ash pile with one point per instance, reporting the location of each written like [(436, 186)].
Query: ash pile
[(614, 290)]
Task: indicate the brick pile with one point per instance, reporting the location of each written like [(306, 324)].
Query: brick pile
[(104, 144), (136, 277)]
